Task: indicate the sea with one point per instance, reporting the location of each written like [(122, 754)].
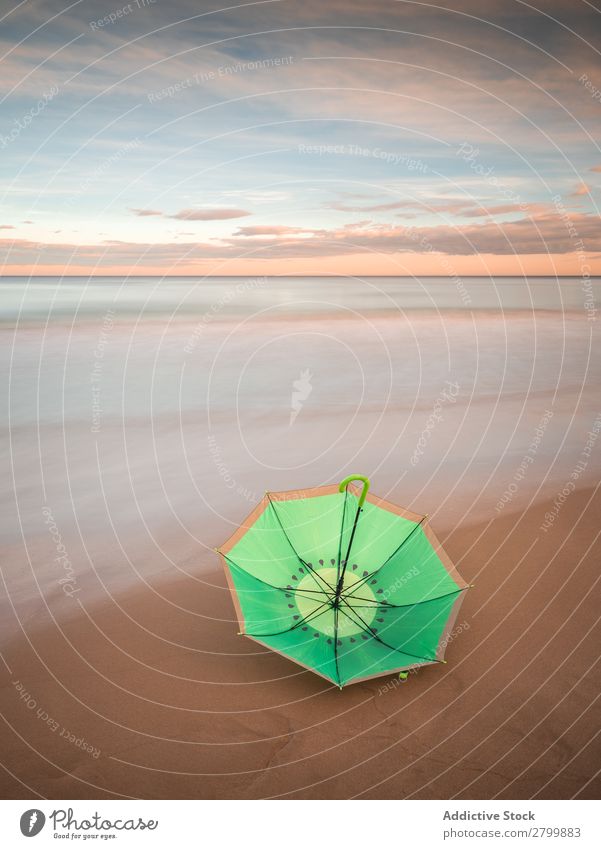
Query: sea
[(144, 417)]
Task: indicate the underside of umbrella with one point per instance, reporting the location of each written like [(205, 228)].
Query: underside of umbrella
[(342, 582)]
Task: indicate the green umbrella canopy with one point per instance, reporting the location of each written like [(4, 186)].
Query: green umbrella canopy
[(342, 582)]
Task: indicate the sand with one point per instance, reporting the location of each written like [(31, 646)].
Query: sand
[(151, 693), (137, 443)]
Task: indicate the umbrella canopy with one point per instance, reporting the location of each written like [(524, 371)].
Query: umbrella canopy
[(343, 583)]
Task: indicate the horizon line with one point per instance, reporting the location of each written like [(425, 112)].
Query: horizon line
[(335, 276)]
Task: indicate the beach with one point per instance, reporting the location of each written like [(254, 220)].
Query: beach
[(144, 423)]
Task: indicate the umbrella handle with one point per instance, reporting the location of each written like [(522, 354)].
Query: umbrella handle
[(350, 478)]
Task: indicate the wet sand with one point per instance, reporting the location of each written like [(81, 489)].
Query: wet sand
[(151, 693)]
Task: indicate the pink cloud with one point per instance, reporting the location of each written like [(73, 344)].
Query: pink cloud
[(503, 208), (434, 205), (540, 235), (208, 214), (6, 227), (218, 214), (269, 230), (580, 190)]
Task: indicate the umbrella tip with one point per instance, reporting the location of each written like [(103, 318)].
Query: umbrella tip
[(217, 550), (240, 633), (472, 585), (444, 661)]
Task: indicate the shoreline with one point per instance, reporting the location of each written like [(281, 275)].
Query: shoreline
[(156, 681)]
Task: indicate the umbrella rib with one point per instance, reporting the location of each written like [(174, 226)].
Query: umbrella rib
[(410, 604), (380, 640), (374, 600), (396, 551), (312, 571), (376, 606), (313, 592), (308, 618), (272, 586)]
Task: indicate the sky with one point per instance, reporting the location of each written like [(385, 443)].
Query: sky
[(367, 137)]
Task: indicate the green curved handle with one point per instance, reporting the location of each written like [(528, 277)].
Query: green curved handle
[(350, 478)]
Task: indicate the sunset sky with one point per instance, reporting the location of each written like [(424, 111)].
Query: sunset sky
[(286, 137)]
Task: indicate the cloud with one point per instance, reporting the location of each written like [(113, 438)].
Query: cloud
[(504, 208), (540, 235), (378, 207), (536, 234), (208, 214), (396, 89), (106, 254), (217, 214), (145, 212), (467, 208), (270, 230), (6, 227), (580, 190), (596, 168), (464, 208)]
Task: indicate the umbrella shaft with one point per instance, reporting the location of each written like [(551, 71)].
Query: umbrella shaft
[(340, 583)]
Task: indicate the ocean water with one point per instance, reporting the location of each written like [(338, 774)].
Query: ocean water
[(176, 297), (145, 417)]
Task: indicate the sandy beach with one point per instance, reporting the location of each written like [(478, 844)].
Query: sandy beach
[(136, 446), (164, 700)]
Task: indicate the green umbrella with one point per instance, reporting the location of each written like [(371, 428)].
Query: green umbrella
[(343, 583)]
